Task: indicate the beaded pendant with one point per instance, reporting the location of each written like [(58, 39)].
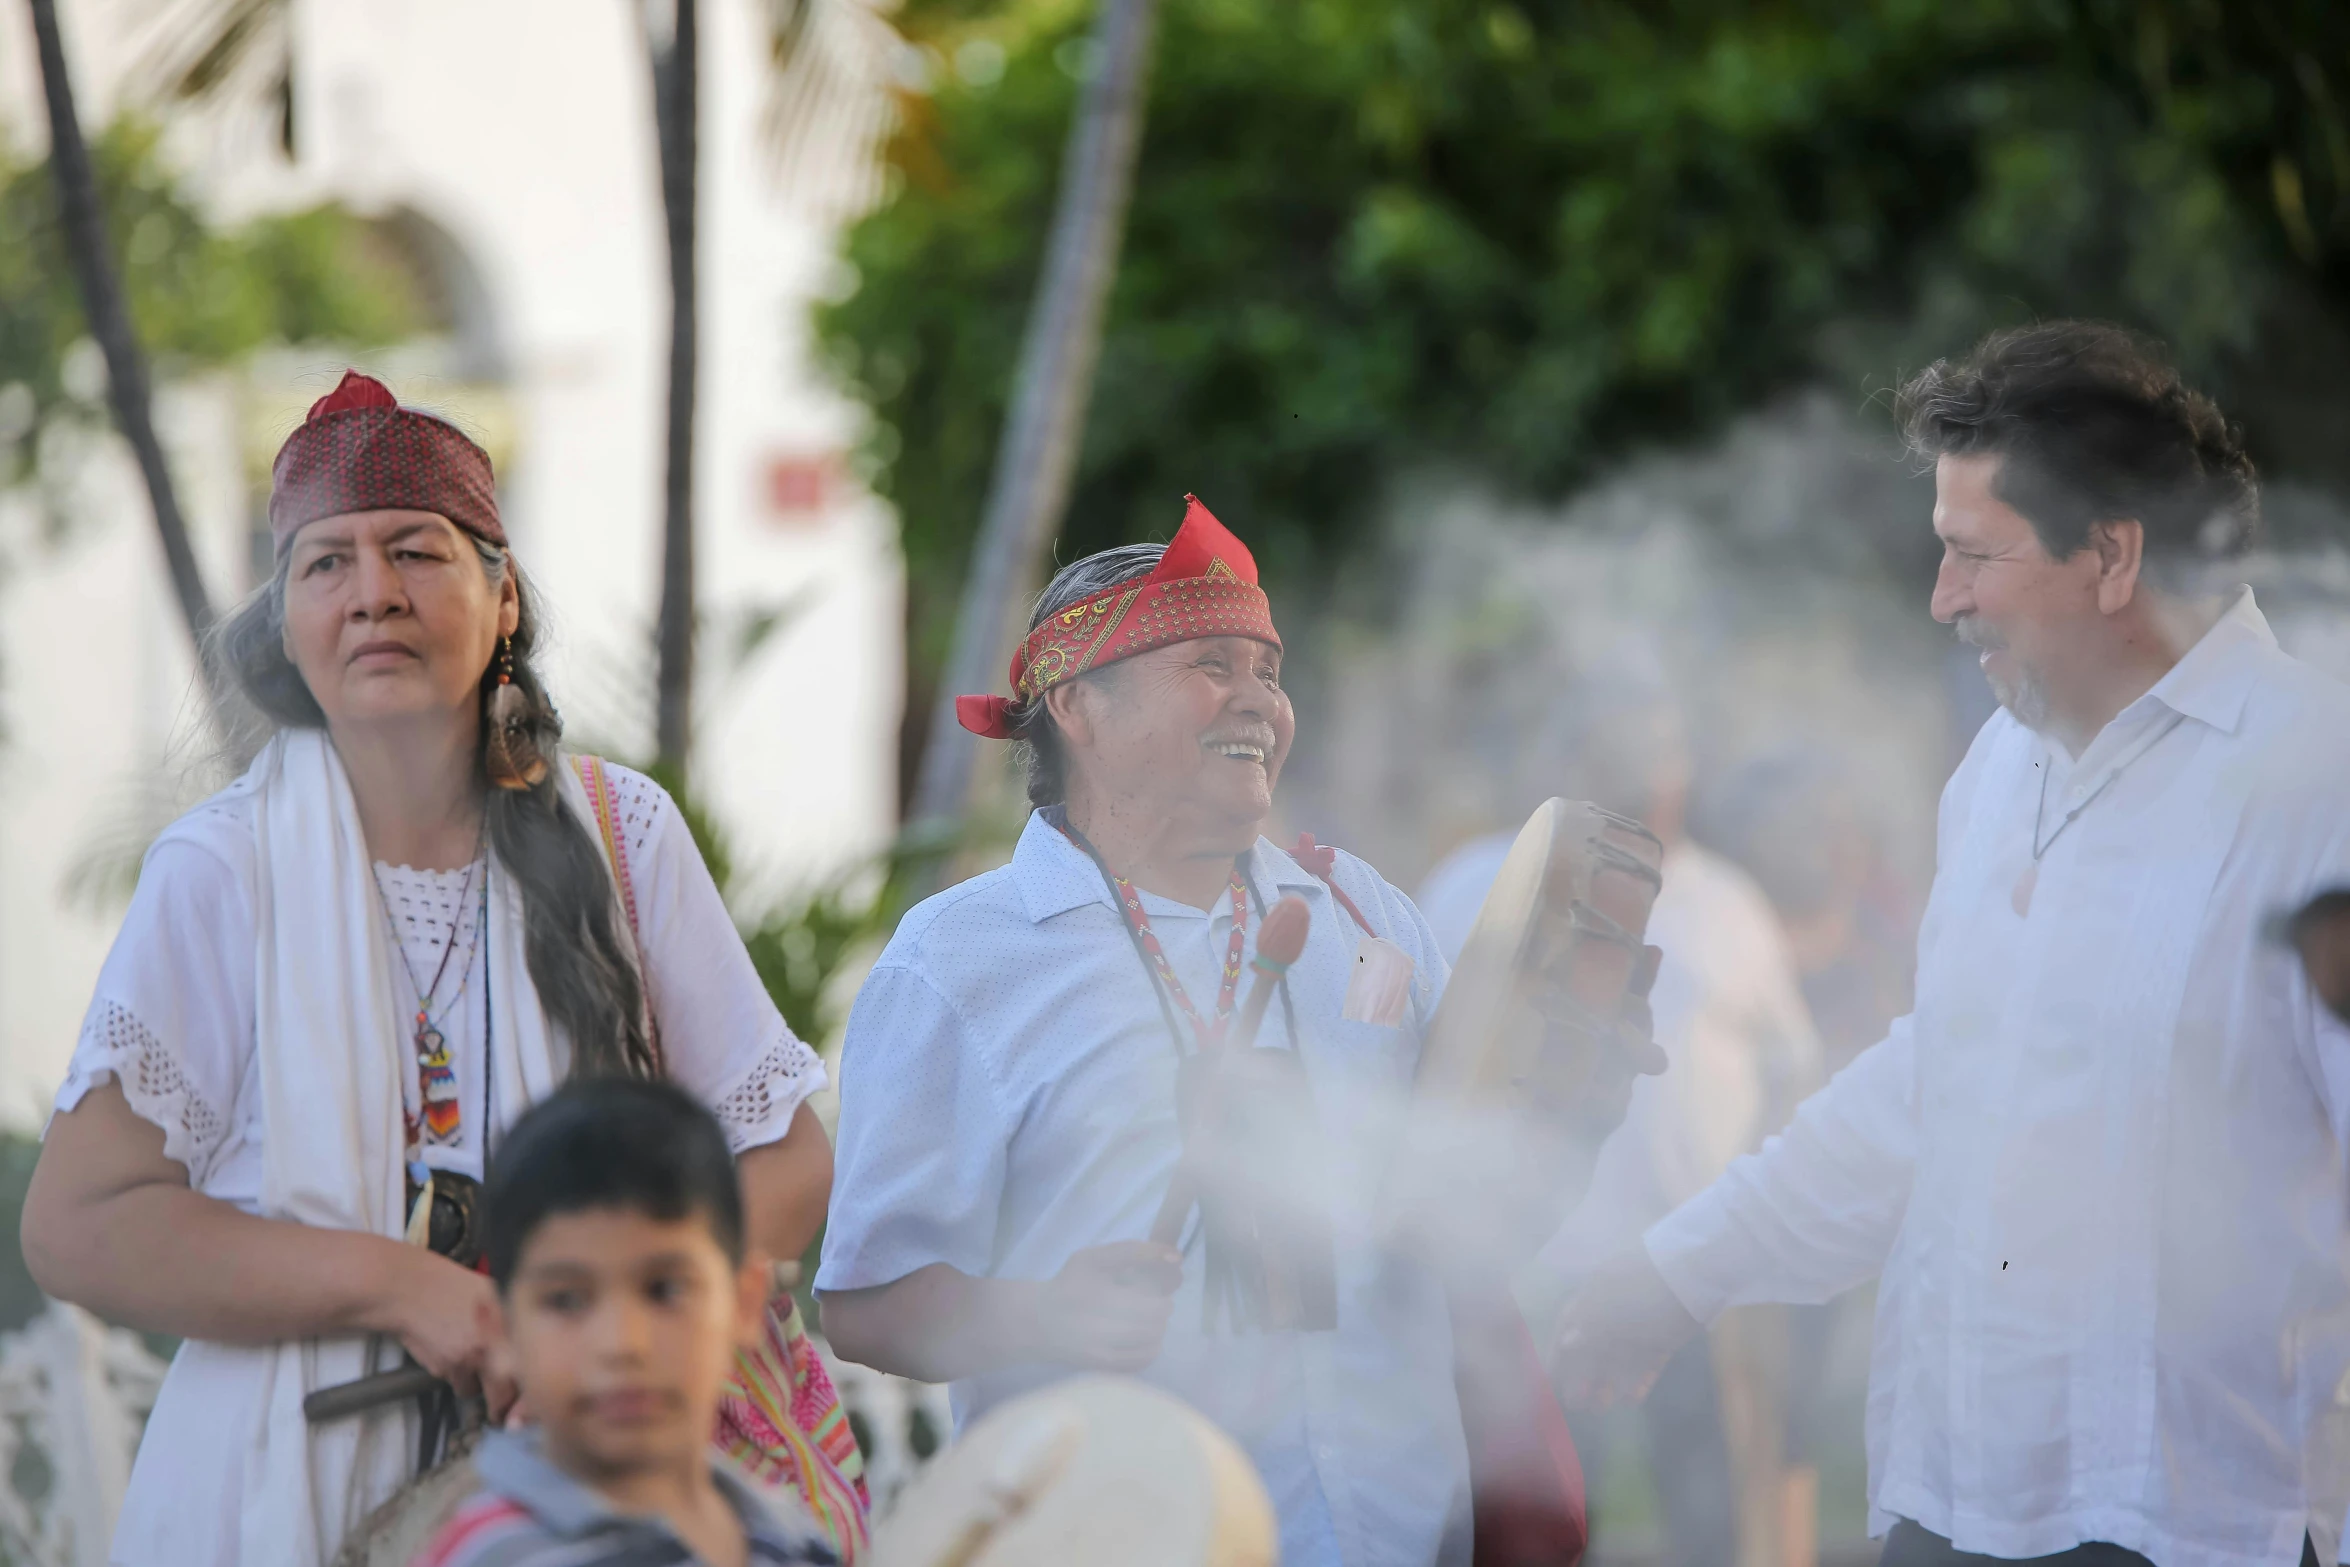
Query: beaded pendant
[(437, 1078)]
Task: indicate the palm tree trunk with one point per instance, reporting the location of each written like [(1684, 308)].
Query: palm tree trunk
[(1037, 455), (675, 110), (109, 319)]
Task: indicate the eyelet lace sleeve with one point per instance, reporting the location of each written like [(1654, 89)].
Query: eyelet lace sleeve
[(759, 1107), (171, 1017), (115, 1046)]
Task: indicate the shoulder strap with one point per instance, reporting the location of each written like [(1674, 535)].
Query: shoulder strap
[(1322, 860), (598, 784)]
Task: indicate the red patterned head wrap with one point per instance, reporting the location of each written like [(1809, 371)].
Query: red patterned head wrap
[(1204, 586), (361, 451)]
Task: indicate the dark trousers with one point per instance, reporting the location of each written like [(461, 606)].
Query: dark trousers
[(1910, 1546)]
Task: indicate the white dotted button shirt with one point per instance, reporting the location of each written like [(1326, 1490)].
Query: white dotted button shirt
[(1008, 1099)]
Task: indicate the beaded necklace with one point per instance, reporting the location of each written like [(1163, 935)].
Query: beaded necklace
[(1146, 942), (439, 1116)]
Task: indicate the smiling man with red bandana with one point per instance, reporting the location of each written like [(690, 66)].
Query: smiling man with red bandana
[(1009, 1119)]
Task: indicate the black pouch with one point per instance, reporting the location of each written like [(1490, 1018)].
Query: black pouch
[(452, 1230)]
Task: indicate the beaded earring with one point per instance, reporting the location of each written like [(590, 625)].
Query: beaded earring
[(510, 753)]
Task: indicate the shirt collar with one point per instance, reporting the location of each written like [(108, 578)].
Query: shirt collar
[(2214, 680), (515, 1466), (1053, 875)]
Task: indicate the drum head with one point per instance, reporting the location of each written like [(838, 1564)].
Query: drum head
[(1565, 920), (1528, 1063), (1093, 1472), (396, 1533)]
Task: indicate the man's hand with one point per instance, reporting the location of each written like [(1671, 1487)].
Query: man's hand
[(1107, 1309), (1616, 1334)]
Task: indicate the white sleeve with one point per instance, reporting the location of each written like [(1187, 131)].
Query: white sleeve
[(172, 1017), (1815, 1211), (721, 1036), (924, 1139)]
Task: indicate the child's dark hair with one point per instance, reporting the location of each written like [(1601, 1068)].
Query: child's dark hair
[(633, 1144)]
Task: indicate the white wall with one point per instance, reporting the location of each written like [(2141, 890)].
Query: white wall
[(523, 128)]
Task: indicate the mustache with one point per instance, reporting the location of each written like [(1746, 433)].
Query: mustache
[(1974, 633)]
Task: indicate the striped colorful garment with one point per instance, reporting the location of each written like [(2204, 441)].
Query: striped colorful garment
[(782, 1423)]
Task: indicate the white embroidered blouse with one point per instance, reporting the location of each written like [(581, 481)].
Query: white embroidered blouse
[(172, 1018)]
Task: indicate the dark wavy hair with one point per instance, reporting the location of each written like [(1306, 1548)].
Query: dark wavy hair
[(2095, 425), (1037, 749), (584, 975)]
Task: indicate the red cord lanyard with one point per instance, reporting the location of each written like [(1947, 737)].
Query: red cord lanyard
[(1227, 992), (1146, 942)]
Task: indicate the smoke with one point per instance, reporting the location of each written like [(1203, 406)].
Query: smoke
[(1772, 587), (1771, 591)]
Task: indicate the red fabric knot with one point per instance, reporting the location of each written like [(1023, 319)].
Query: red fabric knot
[(987, 716), (354, 391)]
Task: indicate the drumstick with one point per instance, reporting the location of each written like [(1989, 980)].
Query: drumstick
[(1279, 944), (346, 1399)]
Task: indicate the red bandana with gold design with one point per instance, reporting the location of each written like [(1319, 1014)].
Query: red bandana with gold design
[(1205, 586)]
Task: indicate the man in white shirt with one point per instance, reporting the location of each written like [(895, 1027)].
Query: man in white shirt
[(1009, 1082), (2100, 1165)]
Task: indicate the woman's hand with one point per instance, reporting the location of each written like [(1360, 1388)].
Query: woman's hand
[(110, 1224), (446, 1318)]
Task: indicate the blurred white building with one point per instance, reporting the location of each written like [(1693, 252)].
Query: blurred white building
[(506, 149)]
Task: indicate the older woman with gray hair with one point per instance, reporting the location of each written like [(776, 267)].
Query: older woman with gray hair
[(344, 974)]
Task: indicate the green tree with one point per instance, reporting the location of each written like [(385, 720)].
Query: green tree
[(1523, 239), (200, 295)]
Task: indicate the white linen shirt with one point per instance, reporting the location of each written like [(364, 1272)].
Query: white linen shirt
[(1008, 1099), (2101, 1163)]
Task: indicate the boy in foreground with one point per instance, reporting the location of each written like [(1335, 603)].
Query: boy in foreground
[(615, 1237)]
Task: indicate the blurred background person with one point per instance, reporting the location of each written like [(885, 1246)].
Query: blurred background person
[(1730, 1017), (1794, 820), (1797, 823)]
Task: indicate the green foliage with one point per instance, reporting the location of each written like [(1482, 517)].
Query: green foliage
[(1522, 239), (799, 943), (199, 295)]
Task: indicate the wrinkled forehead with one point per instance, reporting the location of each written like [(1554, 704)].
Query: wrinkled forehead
[(380, 526), (1179, 655)]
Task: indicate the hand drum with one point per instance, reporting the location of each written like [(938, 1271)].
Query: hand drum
[(1091, 1472), (1529, 1057)]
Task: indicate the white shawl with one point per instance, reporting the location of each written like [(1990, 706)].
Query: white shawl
[(333, 1062)]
